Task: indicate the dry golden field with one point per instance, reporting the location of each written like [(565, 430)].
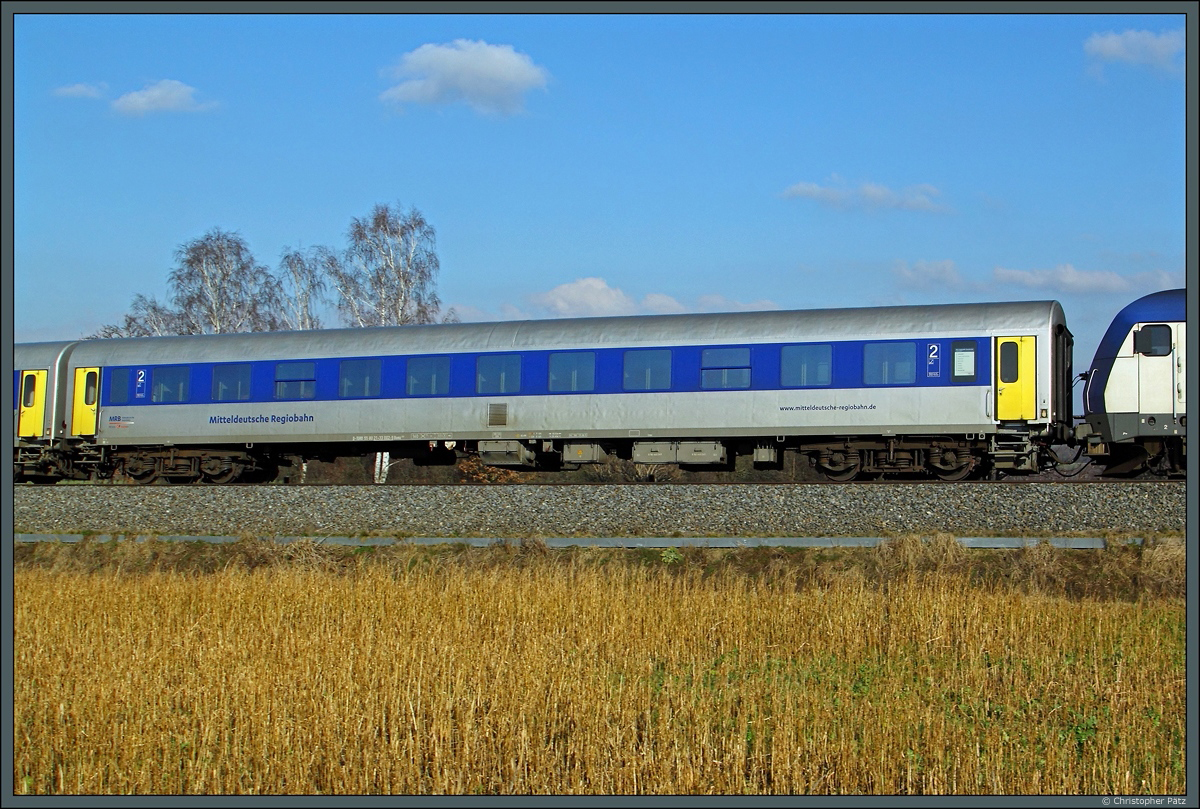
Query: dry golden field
[(908, 669)]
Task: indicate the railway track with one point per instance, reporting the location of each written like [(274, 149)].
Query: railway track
[(669, 511), (1073, 543)]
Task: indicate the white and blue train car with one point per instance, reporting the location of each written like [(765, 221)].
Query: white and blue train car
[(950, 391), (1135, 399)]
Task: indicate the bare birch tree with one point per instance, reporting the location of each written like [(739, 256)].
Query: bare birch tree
[(216, 287), (147, 318), (220, 288), (388, 275), (302, 275)]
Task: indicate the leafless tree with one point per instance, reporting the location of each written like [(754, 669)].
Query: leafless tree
[(302, 275), (216, 287), (388, 275), (220, 288), (147, 318), (385, 277)]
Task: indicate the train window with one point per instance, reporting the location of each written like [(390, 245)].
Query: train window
[(725, 368), (169, 383), (231, 383), (963, 360), (1009, 355), (359, 378), (118, 385), (428, 376), (725, 358), (806, 366), (572, 371), (889, 363), (1153, 341), (724, 378), (29, 391), (498, 373), (648, 369), (296, 380), (90, 388)]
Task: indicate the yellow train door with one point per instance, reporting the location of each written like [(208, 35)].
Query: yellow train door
[(31, 408), (1016, 380), (87, 397)]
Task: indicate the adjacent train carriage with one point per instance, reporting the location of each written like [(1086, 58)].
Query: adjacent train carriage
[(47, 439), (1135, 399), (950, 391)]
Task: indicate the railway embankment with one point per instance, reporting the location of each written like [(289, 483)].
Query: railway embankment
[(664, 510)]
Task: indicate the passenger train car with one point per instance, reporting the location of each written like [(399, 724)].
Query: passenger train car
[(948, 391), (1135, 399)]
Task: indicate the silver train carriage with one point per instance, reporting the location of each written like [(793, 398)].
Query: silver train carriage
[(1135, 397), (949, 391)]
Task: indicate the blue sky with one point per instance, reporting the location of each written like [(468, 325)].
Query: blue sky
[(579, 164)]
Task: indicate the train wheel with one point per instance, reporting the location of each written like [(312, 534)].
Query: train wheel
[(953, 465), (843, 475), (840, 465), (962, 473), (143, 476), (142, 470), (214, 470)]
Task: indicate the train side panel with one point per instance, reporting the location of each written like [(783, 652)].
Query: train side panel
[(984, 380)]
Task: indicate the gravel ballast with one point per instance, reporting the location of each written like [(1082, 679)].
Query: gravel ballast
[(664, 510)]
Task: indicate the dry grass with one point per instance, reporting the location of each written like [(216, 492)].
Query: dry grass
[(517, 670)]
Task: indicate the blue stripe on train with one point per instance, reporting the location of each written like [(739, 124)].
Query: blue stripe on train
[(934, 367)]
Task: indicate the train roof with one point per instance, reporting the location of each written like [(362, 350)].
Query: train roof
[(1167, 306), (27, 356), (892, 322)]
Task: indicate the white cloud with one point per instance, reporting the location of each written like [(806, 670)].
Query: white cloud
[(870, 196), (167, 95), (1138, 48), (593, 297), (490, 78), (926, 276), (661, 304), (81, 90), (1064, 278), (585, 297)]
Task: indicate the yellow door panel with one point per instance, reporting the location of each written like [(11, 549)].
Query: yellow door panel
[(87, 398), (1016, 380), (31, 406)]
